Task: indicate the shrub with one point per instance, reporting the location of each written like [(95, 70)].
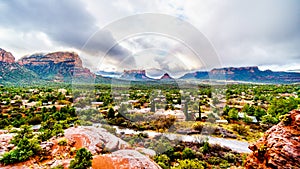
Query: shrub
[(198, 126), (163, 165), (63, 142), (189, 164), (233, 114), (214, 160), (205, 148), (188, 153), (224, 164), (240, 129), (269, 119), (58, 167), (25, 149), (83, 159), (162, 160), (230, 157), (285, 119)]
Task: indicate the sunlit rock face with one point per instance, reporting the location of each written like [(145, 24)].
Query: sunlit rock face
[(94, 139), (6, 56), (124, 159), (279, 147), (122, 156), (59, 66)]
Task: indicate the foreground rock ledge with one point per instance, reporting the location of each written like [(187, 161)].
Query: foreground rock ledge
[(279, 147), (121, 156)]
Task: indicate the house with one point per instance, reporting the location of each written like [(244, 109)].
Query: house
[(96, 104), (177, 113), (63, 91), (177, 106), (242, 115), (221, 121)]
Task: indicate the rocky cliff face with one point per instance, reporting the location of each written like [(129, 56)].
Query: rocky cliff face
[(12, 72), (70, 58), (279, 147), (58, 66), (6, 57), (135, 75), (232, 70)]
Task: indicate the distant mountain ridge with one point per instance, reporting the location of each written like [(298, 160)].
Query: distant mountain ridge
[(248, 74), (135, 75), (64, 66), (108, 74)]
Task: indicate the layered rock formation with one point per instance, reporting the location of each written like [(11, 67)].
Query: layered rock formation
[(58, 66), (279, 147), (70, 58), (135, 75)]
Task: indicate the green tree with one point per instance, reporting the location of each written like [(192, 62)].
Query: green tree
[(24, 132), (152, 108), (233, 114), (269, 119), (111, 113), (82, 160), (26, 146), (226, 110)]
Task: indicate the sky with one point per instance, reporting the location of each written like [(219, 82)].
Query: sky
[(172, 36)]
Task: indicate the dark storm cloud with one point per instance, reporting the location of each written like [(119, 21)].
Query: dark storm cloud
[(64, 21), (258, 32)]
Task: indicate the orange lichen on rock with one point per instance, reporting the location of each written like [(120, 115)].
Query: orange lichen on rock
[(279, 147)]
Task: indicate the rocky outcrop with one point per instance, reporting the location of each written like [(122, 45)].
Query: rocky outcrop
[(124, 159), (4, 142), (166, 76), (134, 75), (70, 58), (58, 66), (95, 139), (6, 57), (279, 147), (109, 151)]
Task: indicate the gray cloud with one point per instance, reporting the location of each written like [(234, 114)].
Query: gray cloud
[(64, 21), (258, 32), (253, 32)]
